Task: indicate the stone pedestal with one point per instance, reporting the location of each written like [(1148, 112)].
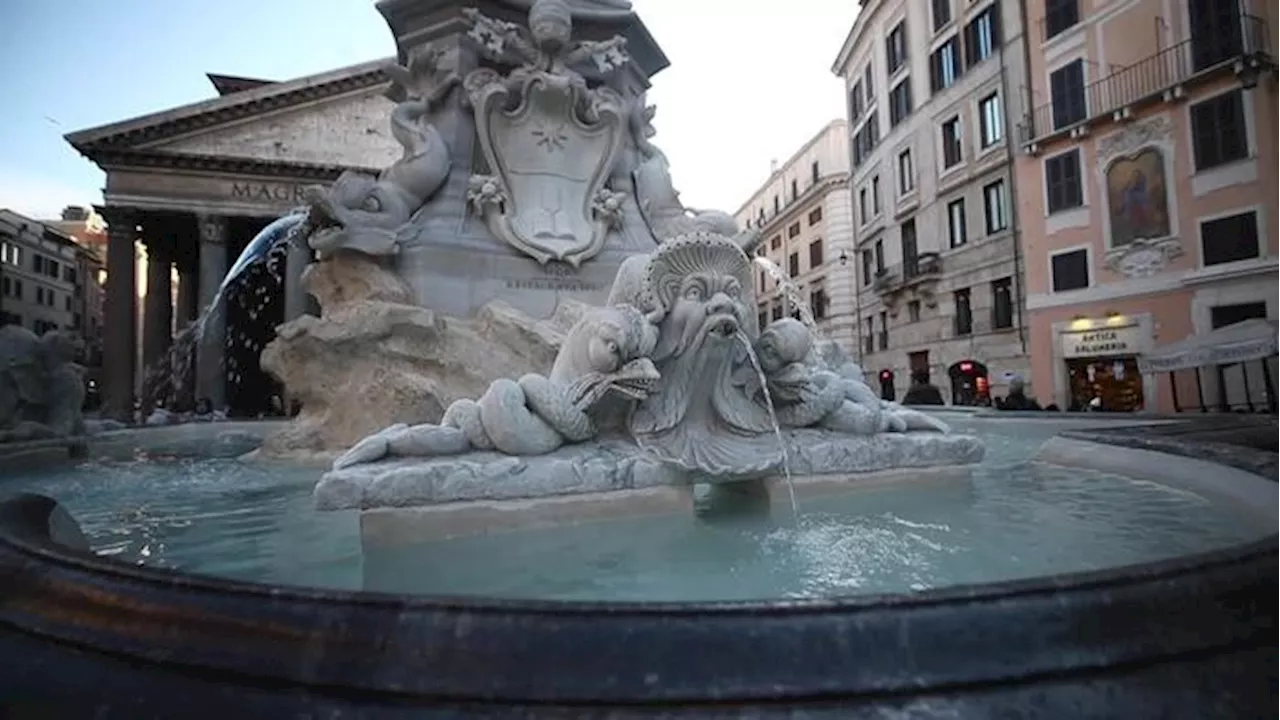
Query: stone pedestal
[(120, 313), (210, 372), (453, 264)]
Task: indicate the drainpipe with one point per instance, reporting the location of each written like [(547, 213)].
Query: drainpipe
[(1010, 155)]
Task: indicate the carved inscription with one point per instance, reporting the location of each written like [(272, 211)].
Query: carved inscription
[(273, 193), (556, 276)]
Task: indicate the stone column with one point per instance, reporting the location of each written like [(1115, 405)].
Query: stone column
[(188, 306), (119, 314), (157, 317), (210, 378), (295, 297)]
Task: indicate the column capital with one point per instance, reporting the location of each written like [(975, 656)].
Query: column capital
[(213, 228), (120, 219)]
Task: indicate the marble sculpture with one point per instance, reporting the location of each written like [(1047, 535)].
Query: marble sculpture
[(41, 385), (673, 368), (679, 367)]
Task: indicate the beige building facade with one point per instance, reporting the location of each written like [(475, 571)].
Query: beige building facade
[(803, 214), (938, 266), (1147, 177), (41, 282)]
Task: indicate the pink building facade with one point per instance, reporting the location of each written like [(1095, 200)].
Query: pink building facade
[(1147, 190)]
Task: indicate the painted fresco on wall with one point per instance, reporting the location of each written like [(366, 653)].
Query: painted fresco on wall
[(1138, 197)]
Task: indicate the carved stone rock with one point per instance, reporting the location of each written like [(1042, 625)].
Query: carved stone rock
[(368, 364), (41, 386)]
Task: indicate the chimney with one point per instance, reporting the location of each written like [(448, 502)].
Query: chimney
[(773, 166), (74, 213)]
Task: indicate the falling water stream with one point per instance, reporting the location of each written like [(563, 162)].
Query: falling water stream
[(271, 246), (773, 418), (790, 290)]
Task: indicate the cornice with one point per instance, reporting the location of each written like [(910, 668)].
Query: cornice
[(793, 209), (125, 159)]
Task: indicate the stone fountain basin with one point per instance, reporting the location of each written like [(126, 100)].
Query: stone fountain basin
[(1189, 637), (615, 465)]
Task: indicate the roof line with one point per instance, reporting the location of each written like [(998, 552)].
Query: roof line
[(81, 138), (782, 167)]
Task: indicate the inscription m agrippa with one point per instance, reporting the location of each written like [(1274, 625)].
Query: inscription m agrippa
[(272, 193)]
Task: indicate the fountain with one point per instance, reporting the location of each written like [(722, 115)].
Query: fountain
[(565, 509)]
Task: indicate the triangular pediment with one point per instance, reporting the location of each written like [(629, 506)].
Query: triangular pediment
[(352, 130)]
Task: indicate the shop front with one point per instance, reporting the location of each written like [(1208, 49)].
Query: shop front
[(970, 383), (1098, 363)]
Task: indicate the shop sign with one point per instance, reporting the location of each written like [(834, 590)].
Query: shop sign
[(1102, 342)]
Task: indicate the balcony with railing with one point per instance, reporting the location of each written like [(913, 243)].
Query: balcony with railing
[(922, 268), (1159, 77)]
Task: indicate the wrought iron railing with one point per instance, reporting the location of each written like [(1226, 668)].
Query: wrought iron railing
[(1147, 79), (922, 267)]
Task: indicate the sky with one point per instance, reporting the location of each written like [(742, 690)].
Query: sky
[(750, 81)]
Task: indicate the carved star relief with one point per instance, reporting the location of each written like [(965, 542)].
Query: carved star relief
[(552, 139)]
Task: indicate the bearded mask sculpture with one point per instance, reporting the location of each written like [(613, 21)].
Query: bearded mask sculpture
[(697, 287)]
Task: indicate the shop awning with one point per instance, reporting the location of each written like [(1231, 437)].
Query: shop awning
[(1248, 340)]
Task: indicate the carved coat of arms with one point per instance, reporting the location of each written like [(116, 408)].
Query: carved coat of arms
[(549, 140)]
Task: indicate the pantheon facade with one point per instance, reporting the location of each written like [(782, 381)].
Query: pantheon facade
[(195, 184)]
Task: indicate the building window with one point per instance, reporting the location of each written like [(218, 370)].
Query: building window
[(69, 274), (957, 228), (777, 205), (906, 173), (11, 254), (855, 102), (944, 65), (764, 285), (982, 35), (995, 202), (775, 242), (1066, 92), (875, 195), (775, 313), (1218, 130), (813, 172), (762, 318), (869, 344), (793, 230), (866, 139), (868, 85), (815, 216), (1216, 32), (910, 248), (941, 14), (964, 313), (1229, 239), (793, 264), (1002, 303), (795, 189), (951, 151), (863, 214), (866, 268), (990, 120), (884, 330), (1221, 316), (895, 47), (67, 303), (900, 101), (1062, 181), (913, 310), (815, 254), (818, 303), (1059, 16), (879, 257), (1070, 270)]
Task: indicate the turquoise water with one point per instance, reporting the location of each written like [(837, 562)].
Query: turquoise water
[(1013, 519)]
